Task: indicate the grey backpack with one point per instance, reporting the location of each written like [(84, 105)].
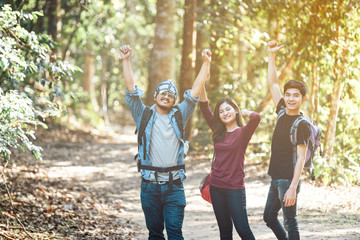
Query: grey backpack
[(314, 140)]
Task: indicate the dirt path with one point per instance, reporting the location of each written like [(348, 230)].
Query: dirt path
[(339, 221), (103, 185)]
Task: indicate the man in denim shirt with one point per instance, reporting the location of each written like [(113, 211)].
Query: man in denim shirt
[(162, 193)]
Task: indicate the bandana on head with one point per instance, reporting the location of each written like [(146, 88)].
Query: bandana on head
[(166, 85)]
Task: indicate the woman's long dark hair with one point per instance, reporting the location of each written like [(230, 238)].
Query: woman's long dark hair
[(219, 127)]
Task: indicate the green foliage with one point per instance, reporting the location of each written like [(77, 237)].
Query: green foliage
[(26, 57), (100, 28), (323, 34), (84, 111), (17, 116), (30, 78), (238, 40)]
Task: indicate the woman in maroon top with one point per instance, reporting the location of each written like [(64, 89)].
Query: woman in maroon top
[(230, 138)]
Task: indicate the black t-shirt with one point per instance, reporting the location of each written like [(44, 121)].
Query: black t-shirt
[(281, 161)]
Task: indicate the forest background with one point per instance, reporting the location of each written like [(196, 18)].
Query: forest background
[(61, 80), (60, 59)]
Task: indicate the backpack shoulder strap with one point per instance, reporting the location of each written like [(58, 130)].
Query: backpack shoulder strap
[(293, 134), (143, 123), (294, 127), (281, 113), (179, 120)]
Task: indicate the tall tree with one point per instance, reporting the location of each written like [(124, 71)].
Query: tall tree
[(161, 64), (200, 35), (314, 91), (104, 90), (54, 22), (214, 82), (88, 79), (341, 52), (188, 54)]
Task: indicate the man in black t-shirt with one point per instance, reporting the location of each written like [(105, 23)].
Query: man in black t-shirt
[(285, 174)]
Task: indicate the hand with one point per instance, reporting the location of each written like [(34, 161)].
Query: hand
[(125, 52), (206, 55), (290, 197), (273, 46), (245, 113)]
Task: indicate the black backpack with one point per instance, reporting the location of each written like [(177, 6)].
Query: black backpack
[(142, 140)]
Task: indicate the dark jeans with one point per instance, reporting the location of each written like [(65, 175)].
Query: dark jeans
[(162, 203), (230, 207), (274, 203)]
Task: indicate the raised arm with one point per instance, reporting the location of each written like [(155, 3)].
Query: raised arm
[(252, 124), (272, 75), (203, 74), (125, 53), (203, 95)]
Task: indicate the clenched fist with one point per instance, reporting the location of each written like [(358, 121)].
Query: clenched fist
[(206, 55), (273, 46), (125, 52)]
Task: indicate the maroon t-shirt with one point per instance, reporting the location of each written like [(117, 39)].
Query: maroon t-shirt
[(228, 166)]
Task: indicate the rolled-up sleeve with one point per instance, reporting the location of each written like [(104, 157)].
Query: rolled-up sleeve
[(188, 105), (133, 100), (188, 97), (136, 92)]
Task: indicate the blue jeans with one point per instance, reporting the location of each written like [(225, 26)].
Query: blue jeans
[(162, 203), (274, 203), (230, 207)]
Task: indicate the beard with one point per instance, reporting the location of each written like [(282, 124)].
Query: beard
[(162, 107), (167, 108)]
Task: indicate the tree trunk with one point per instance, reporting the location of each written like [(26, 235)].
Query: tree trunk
[(314, 98), (38, 26), (163, 52), (188, 48), (188, 55), (199, 37), (88, 76), (104, 91), (338, 71), (273, 24), (77, 24), (331, 125), (214, 81), (54, 23), (200, 45)]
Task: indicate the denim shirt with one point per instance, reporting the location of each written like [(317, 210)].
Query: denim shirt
[(136, 106)]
